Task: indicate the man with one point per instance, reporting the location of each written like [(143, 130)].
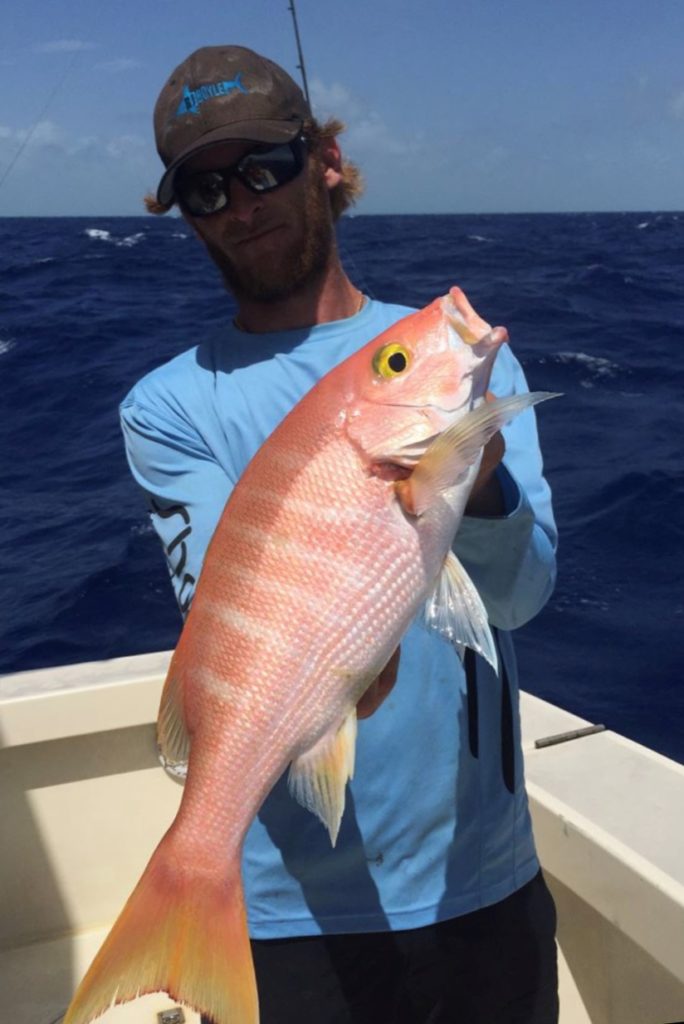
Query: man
[(432, 906)]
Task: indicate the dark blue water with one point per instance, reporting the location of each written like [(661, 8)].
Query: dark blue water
[(595, 309)]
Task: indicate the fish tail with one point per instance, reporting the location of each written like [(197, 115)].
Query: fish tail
[(180, 933)]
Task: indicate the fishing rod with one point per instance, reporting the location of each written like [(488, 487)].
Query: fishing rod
[(291, 8), (29, 135)]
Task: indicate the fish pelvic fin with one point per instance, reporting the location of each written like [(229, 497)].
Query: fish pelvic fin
[(455, 610), (450, 455), (318, 778), (180, 933), (173, 740)]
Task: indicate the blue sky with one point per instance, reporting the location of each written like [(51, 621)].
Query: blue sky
[(451, 105)]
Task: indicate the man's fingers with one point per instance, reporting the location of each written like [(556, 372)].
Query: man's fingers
[(379, 688)]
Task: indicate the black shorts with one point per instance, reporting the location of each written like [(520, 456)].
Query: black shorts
[(494, 966)]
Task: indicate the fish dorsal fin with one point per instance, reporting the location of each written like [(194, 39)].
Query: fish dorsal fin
[(318, 778), (457, 448), (173, 740), (455, 610)]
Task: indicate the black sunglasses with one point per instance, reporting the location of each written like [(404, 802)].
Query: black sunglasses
[(263, 169)]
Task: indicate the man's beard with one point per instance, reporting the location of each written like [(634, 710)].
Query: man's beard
[(278, 276)]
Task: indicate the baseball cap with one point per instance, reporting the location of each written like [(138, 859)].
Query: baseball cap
[(221, 93)]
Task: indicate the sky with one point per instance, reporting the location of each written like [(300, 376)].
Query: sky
[(451, 106)]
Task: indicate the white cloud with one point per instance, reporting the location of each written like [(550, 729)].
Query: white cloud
[(677, 105), (47, 135), (367, 133), (63, 46), (42, 135), (118, 65), (333, 101), (126, 147)]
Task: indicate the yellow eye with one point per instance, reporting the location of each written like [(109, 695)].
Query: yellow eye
[(391, 360)]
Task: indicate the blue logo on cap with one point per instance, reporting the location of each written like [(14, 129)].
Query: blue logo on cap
[(194, 98)]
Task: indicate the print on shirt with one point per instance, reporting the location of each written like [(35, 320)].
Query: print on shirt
[(176, 552), (507, 724)]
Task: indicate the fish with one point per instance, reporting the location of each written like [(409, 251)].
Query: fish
[(336, 537)]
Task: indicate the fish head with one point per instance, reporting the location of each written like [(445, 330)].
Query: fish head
[(419, 377)]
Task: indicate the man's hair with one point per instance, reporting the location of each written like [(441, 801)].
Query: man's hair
[(344, 195)]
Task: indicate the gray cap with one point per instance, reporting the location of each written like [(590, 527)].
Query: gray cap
[(220, 93)]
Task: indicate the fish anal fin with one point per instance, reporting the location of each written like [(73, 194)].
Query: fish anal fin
[(318, 778), (173, 739), (455, 610)]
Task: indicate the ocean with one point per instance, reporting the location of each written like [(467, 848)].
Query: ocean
[(594, 304)]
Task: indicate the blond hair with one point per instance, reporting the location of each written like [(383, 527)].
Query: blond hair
[(344, 195)]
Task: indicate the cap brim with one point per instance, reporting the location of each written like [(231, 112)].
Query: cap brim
[(248, 131)]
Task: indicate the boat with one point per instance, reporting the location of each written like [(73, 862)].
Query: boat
[(84, 802)]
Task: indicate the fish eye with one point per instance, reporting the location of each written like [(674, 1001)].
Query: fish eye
[(391, 360)]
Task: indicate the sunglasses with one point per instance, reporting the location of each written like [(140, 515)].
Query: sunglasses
[(263, 169)]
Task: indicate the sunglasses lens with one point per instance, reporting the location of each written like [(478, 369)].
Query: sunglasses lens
[(268, 169), (202, 193), (261, 170)]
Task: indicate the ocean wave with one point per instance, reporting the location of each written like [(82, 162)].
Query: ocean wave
[(98, 233), (5, 345), (592, 369), (102, 235), (598, 366), (659, 220), (141, 529), (131, 240)]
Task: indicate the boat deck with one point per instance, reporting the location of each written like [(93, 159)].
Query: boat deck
[(77, 744)]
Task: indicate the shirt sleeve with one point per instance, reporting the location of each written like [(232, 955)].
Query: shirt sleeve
[(511, 559), (185, 486)]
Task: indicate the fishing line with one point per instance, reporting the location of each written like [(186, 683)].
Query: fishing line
[(345, 254), (37, 121)]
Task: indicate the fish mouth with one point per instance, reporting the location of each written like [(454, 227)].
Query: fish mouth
[(470, 328), (490, 341)]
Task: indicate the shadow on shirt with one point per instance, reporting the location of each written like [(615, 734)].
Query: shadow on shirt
[(335, 883)]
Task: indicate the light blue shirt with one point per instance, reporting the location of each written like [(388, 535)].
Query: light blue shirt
[(436, 823)]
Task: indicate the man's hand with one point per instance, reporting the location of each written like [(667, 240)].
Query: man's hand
[(379, 689), (486, 498)]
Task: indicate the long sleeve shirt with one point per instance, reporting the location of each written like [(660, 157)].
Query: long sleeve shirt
[(437, 822)]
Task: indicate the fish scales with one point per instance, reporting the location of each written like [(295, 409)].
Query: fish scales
[(346, 563)]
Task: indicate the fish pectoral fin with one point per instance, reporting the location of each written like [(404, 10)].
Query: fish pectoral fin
[(173, 740), (455, 610), (318, 778), (451, 454)]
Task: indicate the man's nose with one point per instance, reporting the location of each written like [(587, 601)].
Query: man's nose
[(244, 203)]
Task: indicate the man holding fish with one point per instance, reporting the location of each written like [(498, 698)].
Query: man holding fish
[(353, 439)]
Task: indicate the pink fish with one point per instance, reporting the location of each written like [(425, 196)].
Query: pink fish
[(335, 537)]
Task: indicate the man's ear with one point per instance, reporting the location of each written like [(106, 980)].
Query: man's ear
[(331, 160)]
